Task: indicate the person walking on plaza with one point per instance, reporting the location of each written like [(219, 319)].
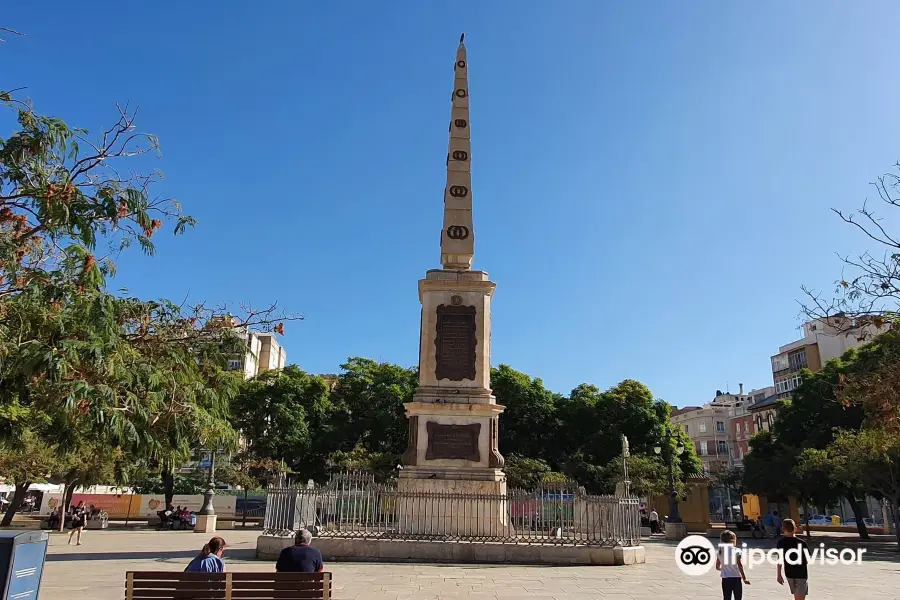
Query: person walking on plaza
[(728, 563), (301, 557), (79, 517), (793, 565), (210, 558), (773, 523), (654, 521)]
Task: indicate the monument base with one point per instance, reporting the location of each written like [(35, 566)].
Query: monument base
[(333, 549), (676, 531), (440, 502), (205, 524)]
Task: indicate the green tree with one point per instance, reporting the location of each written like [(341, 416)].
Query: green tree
[(368, 400), (528, 473), (649, 476), (592, 423), (529, 423), (810, 420), (29, 461), (286, 417), (768, 465), (873, 455)]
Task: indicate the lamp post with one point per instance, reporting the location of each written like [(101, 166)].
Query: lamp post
[(207, 508), (669, 457)]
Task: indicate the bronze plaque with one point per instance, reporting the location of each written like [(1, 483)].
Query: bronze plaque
[(454, 442), (455, 343)]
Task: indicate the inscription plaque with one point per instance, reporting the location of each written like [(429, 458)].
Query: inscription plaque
[(455, 343), (454, 442)]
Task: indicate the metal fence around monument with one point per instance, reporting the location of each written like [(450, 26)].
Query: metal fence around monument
[(352, 505)]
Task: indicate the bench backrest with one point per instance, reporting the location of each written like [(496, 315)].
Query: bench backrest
[(175, 585)]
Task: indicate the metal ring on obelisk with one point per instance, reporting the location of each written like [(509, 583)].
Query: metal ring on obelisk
[(461, 93), (457, 232)]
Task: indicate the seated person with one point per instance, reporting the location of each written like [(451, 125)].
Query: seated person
[(301, 557), (165, 516)]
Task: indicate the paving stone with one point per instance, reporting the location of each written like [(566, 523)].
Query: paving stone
[(96, 571)]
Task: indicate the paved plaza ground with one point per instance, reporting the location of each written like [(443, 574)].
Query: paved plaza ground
[(96, 570)]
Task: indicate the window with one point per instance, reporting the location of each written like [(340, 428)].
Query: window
[(797, 360), (701, 450), (759, 423), (234, 365), (770, 419), (686, 428), (746, 427), (722, 448), (780, 362), (720, 426), (702, 426)]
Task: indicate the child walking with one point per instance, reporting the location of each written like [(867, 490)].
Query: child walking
[(728, 563)]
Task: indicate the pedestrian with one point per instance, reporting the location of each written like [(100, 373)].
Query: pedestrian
[(770, 523), (301, 557), (654, 521), (728, 563), (793, 563), (79, 517), (210, 558), (777, 523)]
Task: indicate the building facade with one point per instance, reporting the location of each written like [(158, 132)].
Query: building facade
[(744, 425), (823, 340), (264, 353), (722, 428)]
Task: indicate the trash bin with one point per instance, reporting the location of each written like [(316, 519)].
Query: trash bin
[(835, 520), (22, 563)]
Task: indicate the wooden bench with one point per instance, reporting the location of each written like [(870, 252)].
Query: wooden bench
[(175, 585)]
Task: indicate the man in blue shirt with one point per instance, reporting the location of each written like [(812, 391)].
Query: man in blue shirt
[(210, 558), (301, 557)]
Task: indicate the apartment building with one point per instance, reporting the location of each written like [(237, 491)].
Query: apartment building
[(748, 420), (263, 352), (722, 428), (823, 340)]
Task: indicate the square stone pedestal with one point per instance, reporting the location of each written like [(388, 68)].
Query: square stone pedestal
[(453, 507), (676, 531), (205, 524)]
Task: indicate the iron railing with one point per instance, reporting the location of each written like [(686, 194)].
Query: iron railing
[(352, 506)]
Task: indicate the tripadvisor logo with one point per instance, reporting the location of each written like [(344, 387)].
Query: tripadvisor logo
[(696, 555)]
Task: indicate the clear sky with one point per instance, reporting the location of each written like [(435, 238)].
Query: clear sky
[(652, 180)]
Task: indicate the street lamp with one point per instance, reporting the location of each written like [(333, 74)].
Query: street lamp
[(207, 508), (674, 516)]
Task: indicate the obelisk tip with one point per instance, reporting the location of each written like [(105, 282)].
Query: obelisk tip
[(462, 37)]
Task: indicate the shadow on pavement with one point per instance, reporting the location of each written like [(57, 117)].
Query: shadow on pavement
[(186, 555)]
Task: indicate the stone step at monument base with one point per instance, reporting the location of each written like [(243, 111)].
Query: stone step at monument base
[(462, 480)]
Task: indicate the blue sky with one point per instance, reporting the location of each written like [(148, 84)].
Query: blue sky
[(652, 182)]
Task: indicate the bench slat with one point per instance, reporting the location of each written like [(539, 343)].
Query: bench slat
[(278, 585), (181, 585), (279, 576), (175, 576), (277, 594), (179, 594)]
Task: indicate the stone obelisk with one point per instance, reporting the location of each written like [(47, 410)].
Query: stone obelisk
[(453, 418)]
